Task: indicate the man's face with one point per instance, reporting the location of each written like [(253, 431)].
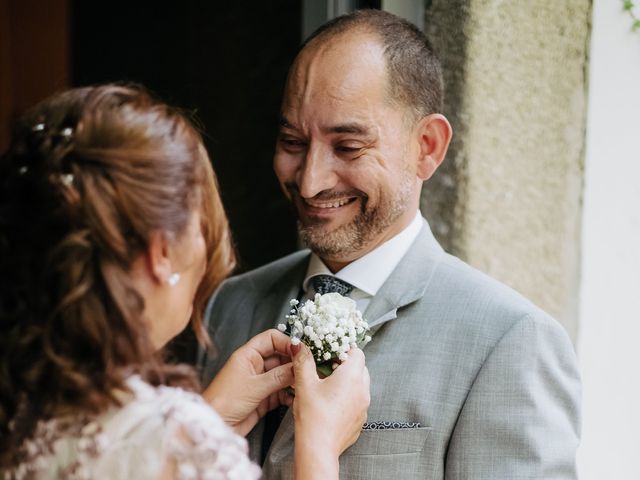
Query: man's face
[(346, 156)]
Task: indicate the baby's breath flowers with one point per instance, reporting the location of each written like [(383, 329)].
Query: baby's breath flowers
[(330, 325)]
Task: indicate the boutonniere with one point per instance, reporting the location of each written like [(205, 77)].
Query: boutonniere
[(330, 325)]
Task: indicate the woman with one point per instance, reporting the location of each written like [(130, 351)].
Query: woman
[(112, 236)]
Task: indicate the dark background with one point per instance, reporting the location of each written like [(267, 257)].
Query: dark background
[(227, 62)]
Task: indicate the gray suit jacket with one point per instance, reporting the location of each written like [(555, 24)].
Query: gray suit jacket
[(491, 379)]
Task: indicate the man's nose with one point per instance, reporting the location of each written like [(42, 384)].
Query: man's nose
[(317, 173)]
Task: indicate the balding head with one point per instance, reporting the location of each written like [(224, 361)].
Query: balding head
[(413, 72)]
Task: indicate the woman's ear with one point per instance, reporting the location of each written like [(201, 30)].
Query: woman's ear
[(434, 134), (158, 258)]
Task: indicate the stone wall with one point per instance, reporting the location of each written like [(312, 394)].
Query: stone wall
[(508, 199)]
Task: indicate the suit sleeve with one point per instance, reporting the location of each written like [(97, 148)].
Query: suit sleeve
[(225, 321), (521, 418)]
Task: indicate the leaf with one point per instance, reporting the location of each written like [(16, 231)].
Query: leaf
[(636, 25), (324, 369), (628, 5)]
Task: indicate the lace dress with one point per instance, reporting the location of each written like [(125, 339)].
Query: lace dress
[(159, 432)]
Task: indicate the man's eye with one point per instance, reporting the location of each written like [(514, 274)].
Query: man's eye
[(347, 149), (292, 142)]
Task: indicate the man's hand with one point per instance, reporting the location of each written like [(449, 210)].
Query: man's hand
[(252, 381)]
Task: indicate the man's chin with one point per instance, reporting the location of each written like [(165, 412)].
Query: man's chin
[(316, 225), (327, 242)]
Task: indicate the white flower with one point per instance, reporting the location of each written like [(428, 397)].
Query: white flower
[(330, 325), (282, 327), (293, 302)]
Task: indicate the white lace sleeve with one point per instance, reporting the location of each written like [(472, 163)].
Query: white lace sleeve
[(173, 434), (203, 447), (162, 432)]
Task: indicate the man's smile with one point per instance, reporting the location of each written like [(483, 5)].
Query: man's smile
[(326, 209), (327, 204)]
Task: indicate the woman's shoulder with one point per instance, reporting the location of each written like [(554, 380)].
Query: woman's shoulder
[(156, 428)]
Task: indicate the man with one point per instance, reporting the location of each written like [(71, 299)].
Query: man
[(468, 379)]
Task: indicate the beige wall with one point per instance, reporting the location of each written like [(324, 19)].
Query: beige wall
[(509, 200)]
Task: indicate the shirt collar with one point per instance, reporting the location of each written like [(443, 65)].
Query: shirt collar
[(370, 271)]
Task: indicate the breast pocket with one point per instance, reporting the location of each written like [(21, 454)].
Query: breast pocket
[(392, 453), (390, 442)]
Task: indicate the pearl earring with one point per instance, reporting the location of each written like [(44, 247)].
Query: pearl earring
[(173, 279)]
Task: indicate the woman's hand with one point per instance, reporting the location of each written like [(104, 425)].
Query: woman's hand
[(328, 412), (251, 382)]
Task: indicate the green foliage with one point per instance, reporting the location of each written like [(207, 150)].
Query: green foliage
[(628, 6)]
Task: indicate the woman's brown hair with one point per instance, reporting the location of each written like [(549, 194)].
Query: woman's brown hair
[(91, 173)]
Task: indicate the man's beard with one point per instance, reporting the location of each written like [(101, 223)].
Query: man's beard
[(354, 236)]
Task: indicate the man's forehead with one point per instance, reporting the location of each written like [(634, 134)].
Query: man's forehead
[(347, 58), (318, 87)]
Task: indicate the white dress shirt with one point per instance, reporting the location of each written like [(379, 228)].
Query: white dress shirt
[(367, 273)]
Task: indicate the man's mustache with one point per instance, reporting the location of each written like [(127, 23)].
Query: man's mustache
[(325, 195)]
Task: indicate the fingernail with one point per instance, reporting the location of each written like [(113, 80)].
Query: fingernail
[(295, 349)]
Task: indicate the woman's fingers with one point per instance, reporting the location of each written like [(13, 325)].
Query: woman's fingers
[(272, 381), (285, 398), (353, 365), (269, 343), (274, 361)]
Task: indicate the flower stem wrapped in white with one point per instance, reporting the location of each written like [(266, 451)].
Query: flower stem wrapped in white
[(329, 325)]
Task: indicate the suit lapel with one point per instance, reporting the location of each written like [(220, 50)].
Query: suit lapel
[(271, 310), (404, 286), (283, 436), (254, 439)]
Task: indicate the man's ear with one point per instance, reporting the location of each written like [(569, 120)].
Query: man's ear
[(158, 260), (434, 134)]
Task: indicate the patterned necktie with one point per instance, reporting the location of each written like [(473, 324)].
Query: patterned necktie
[(328, 283)]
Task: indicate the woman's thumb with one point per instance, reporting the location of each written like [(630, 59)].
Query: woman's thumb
[(304, 368)]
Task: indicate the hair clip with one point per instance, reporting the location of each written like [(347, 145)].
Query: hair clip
[(38, 127), (66, 132), (67, 179)]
